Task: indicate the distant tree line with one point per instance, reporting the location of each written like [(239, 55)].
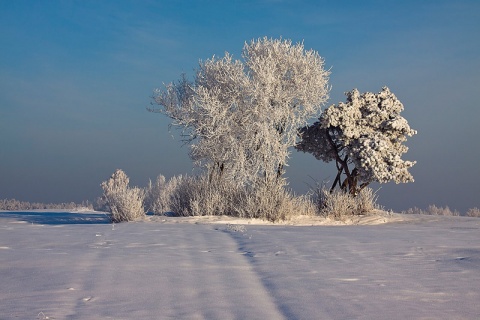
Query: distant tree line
[(15, 205), (433, 210)]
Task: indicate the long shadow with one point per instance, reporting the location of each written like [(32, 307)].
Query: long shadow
[(269, 285), (56, 218)]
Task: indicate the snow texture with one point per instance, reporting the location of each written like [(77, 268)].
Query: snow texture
[(57, 265)]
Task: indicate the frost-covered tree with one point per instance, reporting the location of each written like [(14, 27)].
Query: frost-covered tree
[(241, 117), (365, 137)]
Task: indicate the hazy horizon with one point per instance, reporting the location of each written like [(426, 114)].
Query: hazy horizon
[(76, 78)]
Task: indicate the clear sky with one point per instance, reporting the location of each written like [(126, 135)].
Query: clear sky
[(76, 78)]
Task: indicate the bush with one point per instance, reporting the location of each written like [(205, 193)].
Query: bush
[(157, 196), (336, 204), (182, 192), (366, 201), (473, 212), (198, 196), (272, 202), (186, 196), (439, 211), (340, 205), (124, 203), (414, 210), (433, 210)]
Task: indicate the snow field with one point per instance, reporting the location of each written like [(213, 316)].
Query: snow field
[(79, 266)]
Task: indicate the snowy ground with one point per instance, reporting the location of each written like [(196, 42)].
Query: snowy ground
[(78, 266)]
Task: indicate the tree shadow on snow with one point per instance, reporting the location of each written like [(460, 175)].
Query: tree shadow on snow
[(57, 218)]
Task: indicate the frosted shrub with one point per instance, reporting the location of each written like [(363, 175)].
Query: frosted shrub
[(433, 210), (124, 203), (340, 205), (183, 190), (179, 195), (157, 196), (414, 210), (336, 204), (188, 196), (209, 198), (198, 196), (473, 212), (366, 201), (439, 211), (273, 203)]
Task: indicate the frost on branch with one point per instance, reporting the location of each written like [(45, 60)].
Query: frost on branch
[(366, 133), (242, 116)]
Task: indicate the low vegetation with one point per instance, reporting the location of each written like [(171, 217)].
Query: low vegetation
[(122, 201), (473, 212), (433, 210), (198, 196), (16, 205), (340, 205)]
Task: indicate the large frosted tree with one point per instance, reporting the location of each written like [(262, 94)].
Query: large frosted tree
[(241, 117), (365, 137)]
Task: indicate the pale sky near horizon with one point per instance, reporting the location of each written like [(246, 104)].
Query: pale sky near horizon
[(76, 78)]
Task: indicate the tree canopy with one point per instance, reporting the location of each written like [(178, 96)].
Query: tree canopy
[(242, 116), (365, 137)]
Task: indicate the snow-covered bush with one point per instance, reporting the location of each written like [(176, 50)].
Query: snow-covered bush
[(368, 134), (157, 197), (124, 203), (432, 210), (414, 210), (366, 201), (335, 204), (473, 212), (440, 211), (198, 196), (278, 204), (242, 116), (339, 205)]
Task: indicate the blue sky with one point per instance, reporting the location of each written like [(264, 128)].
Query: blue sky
[(76, 78)]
